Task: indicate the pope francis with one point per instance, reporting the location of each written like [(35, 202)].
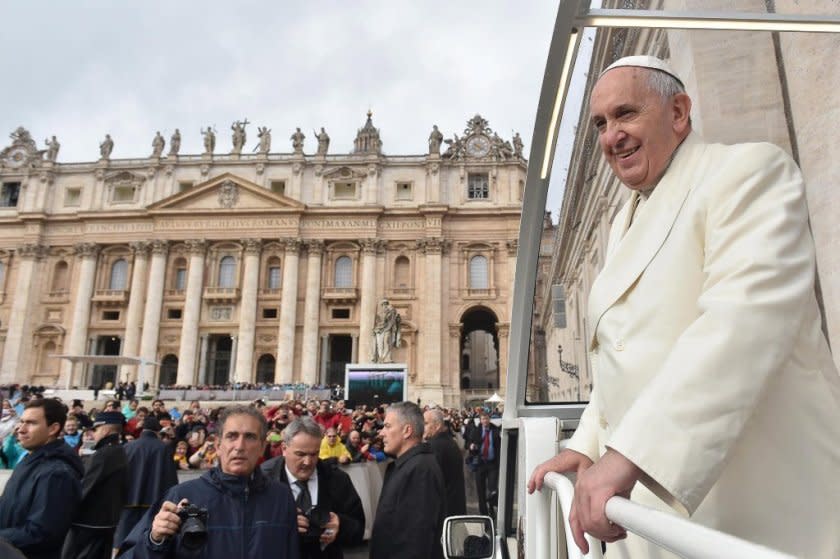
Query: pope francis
[(715, 395)]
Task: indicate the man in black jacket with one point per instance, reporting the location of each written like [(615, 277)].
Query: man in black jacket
[(326, 487), (450, 459), (484, 442), (151, 472), (409, 518), (44, 491), (104, 489)]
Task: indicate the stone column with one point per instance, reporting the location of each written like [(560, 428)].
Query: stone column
[(455, 330), (248, 311), (503, 332), (136, 299), (12, 369), (325, 353), (288, 310), (234, 346), (88, 253), (431, 372), (354, 349), (202, 359), (512, 249), (367, 302), (312, 306), (192, 312), (151, 314)]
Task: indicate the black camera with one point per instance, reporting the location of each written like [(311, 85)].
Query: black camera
[(318, 518), (193, 527)]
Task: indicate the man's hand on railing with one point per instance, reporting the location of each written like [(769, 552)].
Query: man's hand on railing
[(611, 475), (565, 462)]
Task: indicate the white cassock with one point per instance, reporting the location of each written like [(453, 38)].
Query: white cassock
[(710, 369)]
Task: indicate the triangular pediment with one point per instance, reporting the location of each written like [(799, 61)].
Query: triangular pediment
[(226, 193)]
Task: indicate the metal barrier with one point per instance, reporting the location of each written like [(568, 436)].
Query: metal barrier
[(671, 532)]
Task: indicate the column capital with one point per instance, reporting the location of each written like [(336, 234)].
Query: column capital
[(512, 247), (314, 246), (140, 248), (86, 250), (32, 250), (159, 247), (434, 245), (369, 246), (291, 245), (455, 329), (196, 246), (503, 329), (252, 246)]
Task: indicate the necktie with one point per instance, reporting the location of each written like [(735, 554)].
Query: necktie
[(304, 499), (485, 445)]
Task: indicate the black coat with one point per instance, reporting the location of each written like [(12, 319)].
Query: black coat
[(104, 490), (451, 461), (151, 472), (335, 493), (409, 518), (40, 500)]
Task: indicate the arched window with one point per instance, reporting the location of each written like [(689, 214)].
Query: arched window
[(60, 273), (179, 279), (119, 275), (343, 272), (227, 271), (402, 271), (274, 278), (478, 273), (265, 369), (168, 370)]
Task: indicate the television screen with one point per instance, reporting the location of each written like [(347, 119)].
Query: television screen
[(374, 387)]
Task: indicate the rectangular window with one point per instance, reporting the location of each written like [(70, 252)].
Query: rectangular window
[(341, 314), (478, 186), (181, 279), (278, 187), (123, 194), (558, 298), (344, 190), (183, 186), (269, 313), (72, 197), (274, 277), (174, 314), (403, 191), (9, 195), (110, 315)]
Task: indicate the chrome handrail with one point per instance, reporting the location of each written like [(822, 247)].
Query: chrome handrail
[(674, 533)]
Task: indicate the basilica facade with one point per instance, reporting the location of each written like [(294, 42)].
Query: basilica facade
[(260, 268)]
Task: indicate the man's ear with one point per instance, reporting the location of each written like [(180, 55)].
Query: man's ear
[(681, 112), (54, 430)]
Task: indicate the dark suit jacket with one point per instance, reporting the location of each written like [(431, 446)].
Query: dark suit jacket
[(451, 461), (409, 518), (337, 494), (476, 436)]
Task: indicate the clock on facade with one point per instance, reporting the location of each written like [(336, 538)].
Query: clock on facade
[(16, 157), (478, 145)]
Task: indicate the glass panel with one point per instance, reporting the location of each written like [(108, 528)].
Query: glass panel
[(180, 279), (227, 271), (274, 277), (478, 273), (745, 86), (119, 275), (343, 272), (700, 6)]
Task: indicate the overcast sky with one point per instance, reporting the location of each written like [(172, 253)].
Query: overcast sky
[(79, 70)]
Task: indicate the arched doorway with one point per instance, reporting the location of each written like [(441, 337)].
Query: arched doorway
[(168, 370), (265, 369), (479, 349)]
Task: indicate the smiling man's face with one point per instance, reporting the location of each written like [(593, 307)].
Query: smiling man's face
[(638, 129), (241, 445)]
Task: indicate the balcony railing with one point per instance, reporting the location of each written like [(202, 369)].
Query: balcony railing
[(271, 292), (110, 297), (170, 294), (340, 294), (221, 294), (57, 296)]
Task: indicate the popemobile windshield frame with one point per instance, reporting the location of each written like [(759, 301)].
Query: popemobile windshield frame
[(573, 19)]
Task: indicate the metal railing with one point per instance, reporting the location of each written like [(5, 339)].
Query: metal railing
[(674, 533)]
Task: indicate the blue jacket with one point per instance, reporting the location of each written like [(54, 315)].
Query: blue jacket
[(40, 500), (247, 518)]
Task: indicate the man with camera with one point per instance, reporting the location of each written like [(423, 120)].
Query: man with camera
[(330, 513), (232, 510)]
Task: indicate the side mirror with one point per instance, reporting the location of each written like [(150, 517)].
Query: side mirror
[(468, 537)]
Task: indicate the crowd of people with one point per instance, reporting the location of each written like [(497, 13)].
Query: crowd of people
[(120, 466)]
